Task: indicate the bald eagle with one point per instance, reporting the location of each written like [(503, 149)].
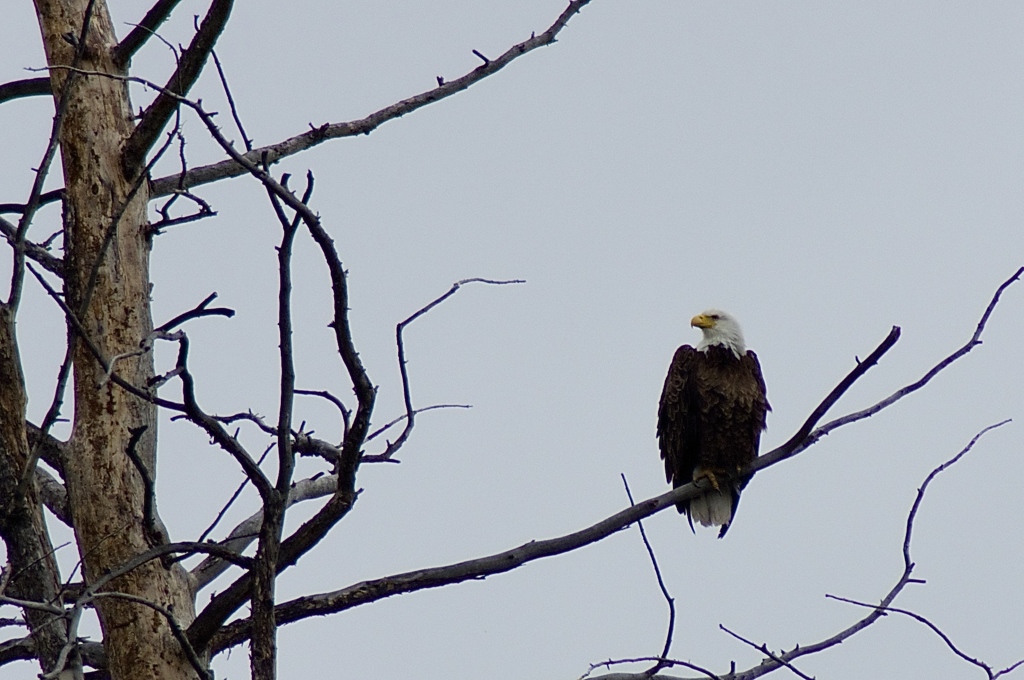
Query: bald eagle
[(712, 412)]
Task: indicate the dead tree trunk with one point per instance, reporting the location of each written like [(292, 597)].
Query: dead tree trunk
[(107, 288)]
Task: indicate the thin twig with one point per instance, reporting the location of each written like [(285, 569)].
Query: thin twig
[(172, 622), (196, 312), (220, 515), (43, 169), (338, 403), (647, 659), (145, 29), (763, 648), (909, 565), (661, 584), (394, 421), (410, 412), (231, 101)]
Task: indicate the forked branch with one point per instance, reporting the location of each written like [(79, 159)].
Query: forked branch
[(377, 589), (774, 661)]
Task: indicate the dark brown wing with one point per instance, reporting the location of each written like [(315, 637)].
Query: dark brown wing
[(760, 405), (679, 420), (751, 416)]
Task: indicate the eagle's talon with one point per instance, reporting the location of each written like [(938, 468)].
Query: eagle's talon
[(700, 475)]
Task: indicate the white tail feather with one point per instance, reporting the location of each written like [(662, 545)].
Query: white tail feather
[(713, 508)]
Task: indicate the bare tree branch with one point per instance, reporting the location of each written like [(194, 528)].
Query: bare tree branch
[(661, 585), (763, 648), (54, 496), (246, 531), (275, 152), (212, 427), (143, 31), (198, 311), (338, 403), (646, 675), (231, 501), (774, 662), (29, 87), (373, 590), (909, 565), (44, 199), (410, 412), (189, 67), (797, 443), (176, 629), (231, 101), (394, 421), (938, 631), (33, 251)]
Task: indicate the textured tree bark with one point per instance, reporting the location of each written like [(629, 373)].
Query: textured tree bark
[(34, 574), (107, 287)]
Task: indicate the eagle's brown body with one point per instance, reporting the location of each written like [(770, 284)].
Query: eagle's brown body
[(713, 409)]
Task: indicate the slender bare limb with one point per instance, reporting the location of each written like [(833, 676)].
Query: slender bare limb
[(661, 585), (231, 101), (189, 67), (935, 629), (645, 676), (214, 428), (798, 443), (263, 644), (338, 403), (394, 421), (275, 152), (33, 251), (44, 199), (176, 630), (763, 648), (167, 221), (143, 31), (231, 501), (180, 192), (909, 565), (154, 531), (246, 531), (410, 412), (199, 310), (774, 662)]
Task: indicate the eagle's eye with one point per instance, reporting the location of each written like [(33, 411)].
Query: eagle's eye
[(716, 317)]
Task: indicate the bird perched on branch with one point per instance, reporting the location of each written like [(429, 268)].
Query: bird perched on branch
[(713, 409)]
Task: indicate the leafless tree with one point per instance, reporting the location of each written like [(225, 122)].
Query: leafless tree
[(101, 482)]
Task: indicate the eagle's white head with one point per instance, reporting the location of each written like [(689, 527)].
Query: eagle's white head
[(719, 328)]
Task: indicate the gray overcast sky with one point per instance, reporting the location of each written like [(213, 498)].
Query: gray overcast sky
[(821, 170)]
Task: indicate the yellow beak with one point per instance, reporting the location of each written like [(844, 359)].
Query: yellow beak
[(702, 321)]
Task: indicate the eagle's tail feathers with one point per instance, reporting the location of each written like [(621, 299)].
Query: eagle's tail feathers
[(713, 508)]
